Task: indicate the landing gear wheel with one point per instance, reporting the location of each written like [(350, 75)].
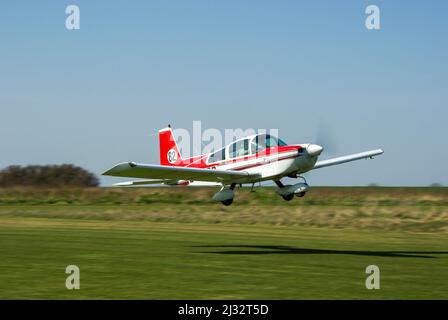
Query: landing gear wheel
[(227, 202), (288, 197), (300, 194)]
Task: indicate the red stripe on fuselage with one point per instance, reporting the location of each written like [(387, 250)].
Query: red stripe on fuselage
[(201, 161)]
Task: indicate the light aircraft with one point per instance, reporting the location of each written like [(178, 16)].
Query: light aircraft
[(249, 160)]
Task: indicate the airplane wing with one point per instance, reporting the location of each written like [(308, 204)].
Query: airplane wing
[(352, 157), (168, 183), (152, 171), (145, 182)]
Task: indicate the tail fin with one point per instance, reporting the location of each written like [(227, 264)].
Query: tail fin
[(169, 152)]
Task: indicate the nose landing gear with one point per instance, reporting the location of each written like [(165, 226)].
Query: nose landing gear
[(288, 192)]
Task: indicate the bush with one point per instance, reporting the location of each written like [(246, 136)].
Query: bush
[(47, 176), (436, 185)]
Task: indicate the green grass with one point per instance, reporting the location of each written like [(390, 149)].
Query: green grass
[(262, 248)]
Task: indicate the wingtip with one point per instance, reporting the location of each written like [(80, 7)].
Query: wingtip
[(119, 167), (105, 173)]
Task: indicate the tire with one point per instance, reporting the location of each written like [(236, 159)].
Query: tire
[(288, 197), (300, 194), (227, 202)]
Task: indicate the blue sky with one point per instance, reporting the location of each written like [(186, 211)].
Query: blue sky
[(94, 96)]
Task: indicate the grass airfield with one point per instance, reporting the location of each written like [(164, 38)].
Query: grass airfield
[(174, 243)]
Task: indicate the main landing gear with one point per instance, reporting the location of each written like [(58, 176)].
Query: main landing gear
[(225, 195), (227, 202)]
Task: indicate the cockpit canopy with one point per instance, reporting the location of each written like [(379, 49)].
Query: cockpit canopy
[(265, 141), (245, 147)]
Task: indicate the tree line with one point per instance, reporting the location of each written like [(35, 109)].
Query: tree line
[(47, 176)]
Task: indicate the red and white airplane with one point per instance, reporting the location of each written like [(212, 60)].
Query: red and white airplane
[(249, 160)]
